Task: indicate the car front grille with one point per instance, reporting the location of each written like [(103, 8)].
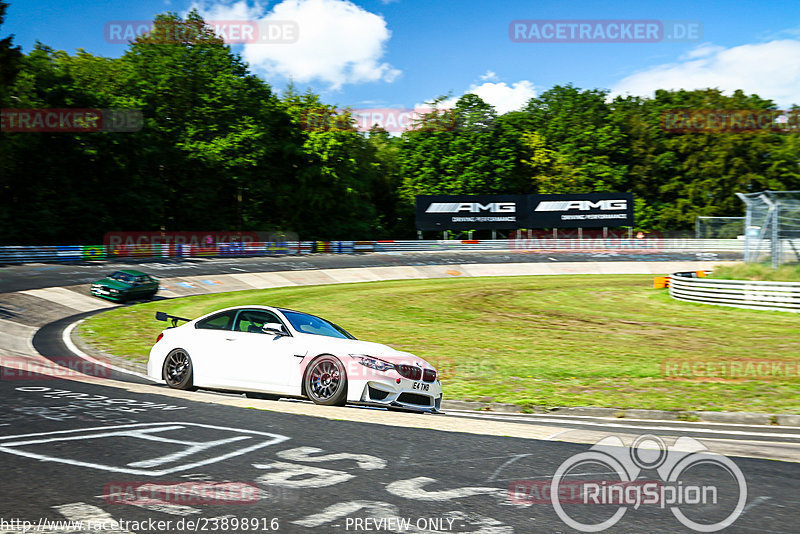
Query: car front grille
[(413, 398), (429, 375), (412, 372)]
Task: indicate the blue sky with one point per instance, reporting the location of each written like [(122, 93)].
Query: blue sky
[(400, 53)]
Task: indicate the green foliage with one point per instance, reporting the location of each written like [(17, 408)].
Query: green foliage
[(758, 272), (219, 150)]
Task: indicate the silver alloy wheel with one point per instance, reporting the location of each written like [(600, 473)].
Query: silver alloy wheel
[(326, 382)]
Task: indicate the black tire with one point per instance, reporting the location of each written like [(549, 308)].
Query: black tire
[(177, 371), (325, 381), (263, 396)]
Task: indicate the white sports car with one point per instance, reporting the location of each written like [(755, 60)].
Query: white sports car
[(272, 352)]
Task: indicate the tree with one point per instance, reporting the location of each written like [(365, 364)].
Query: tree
[(10, 57), (577, 124)]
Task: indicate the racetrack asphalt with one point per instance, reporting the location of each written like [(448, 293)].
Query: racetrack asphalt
[(87, 451), (34, 276), (441, 473)]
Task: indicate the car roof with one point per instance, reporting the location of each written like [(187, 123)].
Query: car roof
[(258, 307), (132, 272)]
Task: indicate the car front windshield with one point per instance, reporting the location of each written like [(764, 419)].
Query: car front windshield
[(122, 277), (309, 324)]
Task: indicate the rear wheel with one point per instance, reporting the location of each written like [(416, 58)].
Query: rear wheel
[(326, 381), (178, 370)]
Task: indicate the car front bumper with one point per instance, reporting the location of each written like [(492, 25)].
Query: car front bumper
[(104, 292), (408, 394)]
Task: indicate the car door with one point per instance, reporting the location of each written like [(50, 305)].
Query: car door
[(138, 287), (147, 287), (207, 344), (259, 361)]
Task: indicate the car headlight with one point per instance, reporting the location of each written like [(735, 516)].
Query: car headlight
[(114, 290), (372, 362)]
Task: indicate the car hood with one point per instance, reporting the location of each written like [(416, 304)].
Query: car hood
[(343, 347), (115, 284)]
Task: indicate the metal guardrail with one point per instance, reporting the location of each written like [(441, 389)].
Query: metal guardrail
[(780, 296), (75, 253)]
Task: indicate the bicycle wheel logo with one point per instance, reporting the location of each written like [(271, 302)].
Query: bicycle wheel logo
[(705, 491)]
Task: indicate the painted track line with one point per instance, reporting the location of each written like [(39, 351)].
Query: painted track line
[(66, 338), (635, 427)]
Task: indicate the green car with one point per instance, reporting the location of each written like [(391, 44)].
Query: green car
[(126, 285)]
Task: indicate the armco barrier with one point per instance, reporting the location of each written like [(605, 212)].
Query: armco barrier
[(73, 253), (781, 296)]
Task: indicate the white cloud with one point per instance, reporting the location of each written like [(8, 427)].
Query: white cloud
[(770, 70), (338, 43), (490, 76), (227, 10), (501, 96)]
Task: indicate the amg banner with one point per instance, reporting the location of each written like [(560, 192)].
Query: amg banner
[(469, 212), (589, 210), (511, 212)]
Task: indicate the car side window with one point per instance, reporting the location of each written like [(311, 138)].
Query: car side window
[(254, 320), (220, 321)]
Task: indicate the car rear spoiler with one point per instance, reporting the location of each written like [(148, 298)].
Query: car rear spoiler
[(164, 316)]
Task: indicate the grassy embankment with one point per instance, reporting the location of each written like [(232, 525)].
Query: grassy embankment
[(535, 341), (757, 271)]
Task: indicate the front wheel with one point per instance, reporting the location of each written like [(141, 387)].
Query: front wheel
[(326, 381), (178, 370)]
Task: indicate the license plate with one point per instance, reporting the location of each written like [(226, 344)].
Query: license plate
[(420, 386)]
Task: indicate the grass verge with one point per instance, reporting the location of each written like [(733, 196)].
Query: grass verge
[(536, 341), (757, 271)]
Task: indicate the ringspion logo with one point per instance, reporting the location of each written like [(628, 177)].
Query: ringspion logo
[(683, 484)]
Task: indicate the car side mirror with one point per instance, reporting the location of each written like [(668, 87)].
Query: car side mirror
[(274, 329)]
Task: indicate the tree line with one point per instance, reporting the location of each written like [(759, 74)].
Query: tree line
[(220, 149)]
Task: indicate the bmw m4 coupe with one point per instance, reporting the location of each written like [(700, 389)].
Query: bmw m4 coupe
[(272, 352)]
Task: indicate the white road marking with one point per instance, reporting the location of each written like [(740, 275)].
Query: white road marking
[(754, 502), (376, 509), (413, 489), (507, 462), (648, 428), (283, 475), (193, 449), (301, 454), (172, 509), (552, 436), (87, 513), (66, 338), (141, 431)]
